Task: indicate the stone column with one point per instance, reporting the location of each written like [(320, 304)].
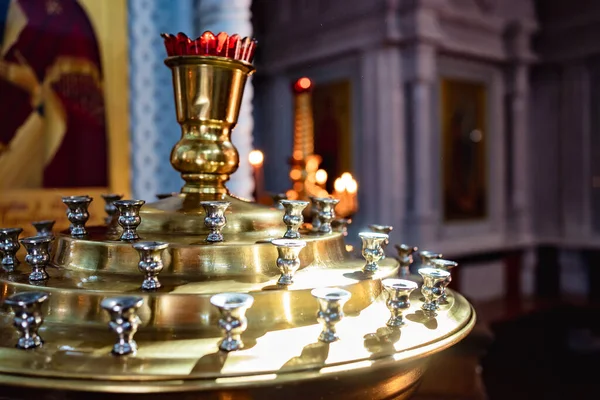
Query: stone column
[(233, 16), (574, 151), (381, 150), (546, 132), (277, 117), (421, 77), (520, 190), (518, 111)]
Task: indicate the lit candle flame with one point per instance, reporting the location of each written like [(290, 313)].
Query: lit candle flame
[(321, 176), (346, 188), (256, 158)]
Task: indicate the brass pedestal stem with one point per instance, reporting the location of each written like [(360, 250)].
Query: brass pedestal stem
[(208, 94)]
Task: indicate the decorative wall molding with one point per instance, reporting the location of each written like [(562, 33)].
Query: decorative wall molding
[(456, 27)]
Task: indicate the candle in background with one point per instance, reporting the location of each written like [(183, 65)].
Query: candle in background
[(256, 158), (345, 189), (321, 178)]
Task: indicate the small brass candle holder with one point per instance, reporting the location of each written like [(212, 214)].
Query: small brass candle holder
[(426, 257), (277, 197), (150, 262), (386, 229), (215, 219), (445, 265), (109, 207), (405, 258), (77, 213), (44, 228), (331, 310), (124, 321), (398, 291), (372, 250), (38, 256), (433, 288), (233, 321), (288, 261), (9, 245), (315, 208), (129, 218), (27, 307), (293, 217), (326, 213)]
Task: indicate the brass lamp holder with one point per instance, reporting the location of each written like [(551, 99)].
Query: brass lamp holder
[(208, 94), (235, 313)]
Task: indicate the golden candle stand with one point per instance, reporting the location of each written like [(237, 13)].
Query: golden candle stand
[(197, 306)]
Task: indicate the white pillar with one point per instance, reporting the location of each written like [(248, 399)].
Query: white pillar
[(521, 194), (277, 119), (234, 16), (421, 76), (546, 131), (382, 147), (574, 149), (520, 218)]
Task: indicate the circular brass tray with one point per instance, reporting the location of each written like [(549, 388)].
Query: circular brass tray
[(179, 336), (78, 358), (178, 341)]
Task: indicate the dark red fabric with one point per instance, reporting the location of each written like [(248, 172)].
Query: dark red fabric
[(53, 32)]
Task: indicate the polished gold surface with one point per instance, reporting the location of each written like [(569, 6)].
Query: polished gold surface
[(248, 254), (183, 301), (184, 215), (381, 383), (83, 352), (208, 94)]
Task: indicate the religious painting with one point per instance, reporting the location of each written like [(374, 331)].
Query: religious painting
[(464, 155), (63, 106), (332, 112)]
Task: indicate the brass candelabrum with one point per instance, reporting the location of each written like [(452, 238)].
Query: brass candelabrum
[(204, 293)]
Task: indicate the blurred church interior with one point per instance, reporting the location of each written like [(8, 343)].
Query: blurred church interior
[(470, 126)]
